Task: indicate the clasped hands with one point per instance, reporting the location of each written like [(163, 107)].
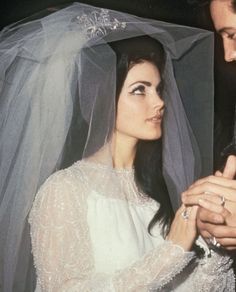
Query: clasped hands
[(215, 197)]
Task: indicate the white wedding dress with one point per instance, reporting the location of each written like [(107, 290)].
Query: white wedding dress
[(86, 236)]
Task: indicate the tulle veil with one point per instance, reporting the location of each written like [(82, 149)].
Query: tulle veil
[(47, 72)]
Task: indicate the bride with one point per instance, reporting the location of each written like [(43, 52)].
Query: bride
[(98, 87)]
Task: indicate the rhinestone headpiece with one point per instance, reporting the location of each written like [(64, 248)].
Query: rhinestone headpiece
[(99, 23)]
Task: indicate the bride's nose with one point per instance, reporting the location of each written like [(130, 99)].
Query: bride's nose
[(158, 102)]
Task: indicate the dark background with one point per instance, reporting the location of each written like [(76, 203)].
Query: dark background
[(176, 11)]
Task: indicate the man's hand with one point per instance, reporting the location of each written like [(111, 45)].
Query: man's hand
[(216, 197)]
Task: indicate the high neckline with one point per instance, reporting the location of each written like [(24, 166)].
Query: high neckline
[(96, 164)]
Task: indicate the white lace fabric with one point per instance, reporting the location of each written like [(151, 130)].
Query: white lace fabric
[(86, 238)]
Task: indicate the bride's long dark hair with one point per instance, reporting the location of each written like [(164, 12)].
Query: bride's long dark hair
[(148, 159)]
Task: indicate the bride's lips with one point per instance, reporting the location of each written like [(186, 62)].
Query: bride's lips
[(155, 119)]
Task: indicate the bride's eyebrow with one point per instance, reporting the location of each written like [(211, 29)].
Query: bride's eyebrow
[(147, 83), (227, 29)]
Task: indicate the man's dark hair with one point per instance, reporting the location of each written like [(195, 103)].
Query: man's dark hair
[(205, 2)]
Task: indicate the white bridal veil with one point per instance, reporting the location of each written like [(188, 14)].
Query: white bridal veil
[(54, 83)]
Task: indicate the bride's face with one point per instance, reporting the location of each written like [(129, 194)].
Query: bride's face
[(140, 106)]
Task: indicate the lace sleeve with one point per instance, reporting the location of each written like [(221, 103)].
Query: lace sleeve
[(155, 270), (215, 268), (62, 250), (212, 272)]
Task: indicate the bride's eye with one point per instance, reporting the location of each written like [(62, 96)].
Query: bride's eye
[(139, 90)]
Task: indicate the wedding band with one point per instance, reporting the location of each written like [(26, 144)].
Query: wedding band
[(214, 242), (222, 200), (185, 214)]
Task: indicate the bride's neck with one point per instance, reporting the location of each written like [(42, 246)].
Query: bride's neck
[(123, 150)]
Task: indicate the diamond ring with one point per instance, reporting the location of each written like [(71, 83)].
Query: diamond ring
[(222, 200), (214, 242), (185, 214)]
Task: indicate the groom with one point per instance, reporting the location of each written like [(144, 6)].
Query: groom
[(216, 195)]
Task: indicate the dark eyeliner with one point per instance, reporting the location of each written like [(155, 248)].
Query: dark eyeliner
[(141, 88)]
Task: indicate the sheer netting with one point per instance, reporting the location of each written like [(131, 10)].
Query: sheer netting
[(57, 106)]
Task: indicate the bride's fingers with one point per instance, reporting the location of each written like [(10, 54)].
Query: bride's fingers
[(193, 213), (194, 199), (213, 207)]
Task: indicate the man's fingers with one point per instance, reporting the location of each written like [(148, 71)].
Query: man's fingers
[(229, 192), (226, 242), (201, 229), (193, 213), (231, 220), (230, 248), (218, 173), (204, 234), (211, 217), (230, 167), (220, 231), (217, 179)]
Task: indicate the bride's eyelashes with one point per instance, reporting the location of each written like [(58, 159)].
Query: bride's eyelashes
[(138, 90)]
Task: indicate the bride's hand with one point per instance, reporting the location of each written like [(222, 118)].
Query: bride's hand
[(183, 229)]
